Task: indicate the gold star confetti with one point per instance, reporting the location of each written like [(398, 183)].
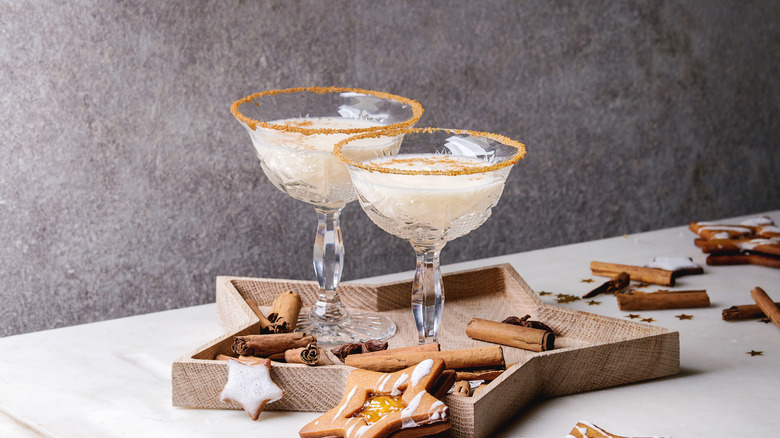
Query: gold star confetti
[(632, 316), (684, 316), (647, 320), (594, 303), (587, 280), (544, 294), (755, 353), (565, 298)]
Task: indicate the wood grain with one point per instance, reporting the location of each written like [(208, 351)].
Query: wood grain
[(592, 351)]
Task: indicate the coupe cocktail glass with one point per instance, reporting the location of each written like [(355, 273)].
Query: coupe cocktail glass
[(441, 185), (294, 131)]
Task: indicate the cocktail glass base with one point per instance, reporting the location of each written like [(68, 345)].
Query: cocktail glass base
[(356, 327)]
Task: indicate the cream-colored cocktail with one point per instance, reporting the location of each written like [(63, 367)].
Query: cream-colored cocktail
[(429, 208), (441, 184), (303, 165), (293, 132)]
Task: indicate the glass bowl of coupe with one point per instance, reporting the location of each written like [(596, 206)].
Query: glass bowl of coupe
[(441, 184), (293, 132)]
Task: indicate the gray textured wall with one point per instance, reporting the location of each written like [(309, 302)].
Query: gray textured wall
[(126, 186)]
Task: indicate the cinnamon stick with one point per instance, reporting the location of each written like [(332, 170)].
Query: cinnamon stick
[(486, 374), (511, 335), (615, 285), (345, 350), (745, 311), (484, 357), (414, 348), (663, 299), (264, 322), (276, 357), (309, 355), (770, 309), (265, 345), (286, 308), (662, 277)]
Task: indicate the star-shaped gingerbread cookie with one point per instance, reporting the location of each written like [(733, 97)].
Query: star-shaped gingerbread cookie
[(584, 429), (250, 385), (378, 405)]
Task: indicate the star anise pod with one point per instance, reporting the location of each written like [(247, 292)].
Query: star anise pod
[(344, 350), (526, 322), (373, 345)]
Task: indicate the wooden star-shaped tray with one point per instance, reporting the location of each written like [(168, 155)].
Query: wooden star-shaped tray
[(591, 351)]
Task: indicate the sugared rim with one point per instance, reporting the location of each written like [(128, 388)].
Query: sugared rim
[(417, 111), (337, 151)]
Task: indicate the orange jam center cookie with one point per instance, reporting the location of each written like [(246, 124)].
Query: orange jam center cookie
[(378, 406)]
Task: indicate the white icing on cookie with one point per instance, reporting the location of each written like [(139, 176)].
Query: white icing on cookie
[(672, 263), (406, 414), (421, 370), (726, 228), (753, 243), (380, 386), (361, 431), (438, 411), (349, 431), (757, 221), (401, 380), (344, 405), (250, 385)]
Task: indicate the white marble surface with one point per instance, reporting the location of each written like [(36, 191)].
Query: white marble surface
[(112, 379)]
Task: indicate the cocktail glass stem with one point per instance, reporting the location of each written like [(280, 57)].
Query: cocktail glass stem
[(427, 294), (328, 259)]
